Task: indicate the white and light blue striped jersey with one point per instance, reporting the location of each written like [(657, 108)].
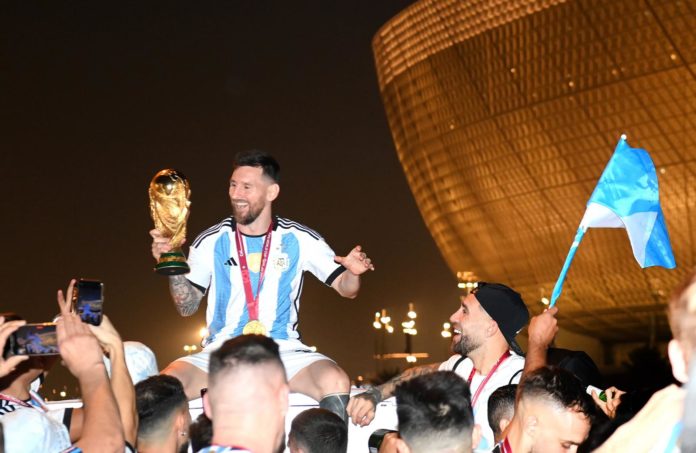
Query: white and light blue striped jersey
[(294, 249)]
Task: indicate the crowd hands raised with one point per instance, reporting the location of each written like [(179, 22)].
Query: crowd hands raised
[(488, 396), (541, 407), (551, 406)]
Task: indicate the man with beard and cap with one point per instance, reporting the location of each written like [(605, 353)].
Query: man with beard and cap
[(485, 354), (251, 265)]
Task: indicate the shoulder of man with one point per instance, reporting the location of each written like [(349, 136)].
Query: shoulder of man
[(456, 363), (29, 429), (287, 224), (214, 231)]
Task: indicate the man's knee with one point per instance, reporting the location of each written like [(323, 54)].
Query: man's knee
[(192, 378), (333, 380)]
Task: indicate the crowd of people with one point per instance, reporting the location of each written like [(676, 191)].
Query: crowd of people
[(488, 396)]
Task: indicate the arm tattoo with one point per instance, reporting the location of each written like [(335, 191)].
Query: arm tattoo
[(387, 389), (186, 296)]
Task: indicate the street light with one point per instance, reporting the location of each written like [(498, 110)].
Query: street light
[(190, 348), (411, 312), (446, 330)]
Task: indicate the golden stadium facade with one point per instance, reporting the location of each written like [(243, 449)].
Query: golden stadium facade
[(504, 114)]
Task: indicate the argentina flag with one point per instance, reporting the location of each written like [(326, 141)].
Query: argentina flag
[(627, 197)]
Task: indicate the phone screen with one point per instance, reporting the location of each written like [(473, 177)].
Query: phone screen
[(35, 339), (88, 297)]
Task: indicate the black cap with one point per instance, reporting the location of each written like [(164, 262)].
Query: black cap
[(506, 307)]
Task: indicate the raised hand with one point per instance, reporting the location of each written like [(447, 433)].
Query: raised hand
[(160, 243), (356, 261)]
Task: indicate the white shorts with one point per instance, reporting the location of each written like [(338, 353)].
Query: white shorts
[(294, 354)]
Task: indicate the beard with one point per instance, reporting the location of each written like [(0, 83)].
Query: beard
[(465, 345), (253, 212)]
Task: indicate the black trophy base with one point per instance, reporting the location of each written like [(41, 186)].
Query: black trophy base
[(172, 263)]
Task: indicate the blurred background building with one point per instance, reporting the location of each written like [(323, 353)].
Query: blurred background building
[(504, 114)]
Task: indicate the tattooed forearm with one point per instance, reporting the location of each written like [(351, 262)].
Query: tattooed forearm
[(387, 389), (186, 296)]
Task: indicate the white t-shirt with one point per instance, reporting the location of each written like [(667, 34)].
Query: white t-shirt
[(509, 372), (294, 249), (31, 429)]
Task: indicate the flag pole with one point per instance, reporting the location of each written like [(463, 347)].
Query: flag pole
[(571, 254)]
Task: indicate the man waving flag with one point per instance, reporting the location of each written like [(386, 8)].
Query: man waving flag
[(627, 197)]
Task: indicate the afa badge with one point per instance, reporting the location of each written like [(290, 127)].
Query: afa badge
[(282, 262)]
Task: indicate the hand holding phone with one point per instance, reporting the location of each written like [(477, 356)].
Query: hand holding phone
[(8, 364), (33, 340), (87, 301)]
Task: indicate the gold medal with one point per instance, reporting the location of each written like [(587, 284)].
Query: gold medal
[(254, 327)]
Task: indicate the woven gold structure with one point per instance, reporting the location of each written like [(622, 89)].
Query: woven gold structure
[(504, 114)]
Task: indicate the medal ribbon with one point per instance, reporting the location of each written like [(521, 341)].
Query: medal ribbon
[(251, 301), (14, 400), (502, 358)]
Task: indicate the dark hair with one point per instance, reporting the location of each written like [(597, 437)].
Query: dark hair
[(243, 350), (261, 159), (434, 406), (560, 387), (157, 399), (319, 431), (201, 433), (501, 404)]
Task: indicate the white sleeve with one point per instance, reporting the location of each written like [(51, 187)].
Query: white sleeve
[(200, 260), (318, 258)]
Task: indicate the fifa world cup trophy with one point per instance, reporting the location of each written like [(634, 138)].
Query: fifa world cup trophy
[(169, 207)]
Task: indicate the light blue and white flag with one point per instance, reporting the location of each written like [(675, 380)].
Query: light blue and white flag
[(627, 197)]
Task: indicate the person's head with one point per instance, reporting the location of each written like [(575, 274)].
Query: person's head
[(247, 386), (491, 313), (554, 412), (317, 431), (501, 408), (200, 433), (682, 320), (140, 361), (162, 412), (435, 414), (253, 185)]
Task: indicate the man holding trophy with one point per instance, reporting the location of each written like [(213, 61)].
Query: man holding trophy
[(251, 265)]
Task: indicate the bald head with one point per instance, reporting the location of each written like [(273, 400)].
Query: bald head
[(247, 396)]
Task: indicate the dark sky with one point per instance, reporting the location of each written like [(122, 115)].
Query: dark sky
[(98, 96)]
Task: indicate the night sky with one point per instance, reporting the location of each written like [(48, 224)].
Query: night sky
[(98, 96)]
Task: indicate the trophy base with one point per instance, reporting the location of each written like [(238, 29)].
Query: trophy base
[(172, 263)]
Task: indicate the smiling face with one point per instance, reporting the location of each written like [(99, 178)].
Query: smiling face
[(251, 193), (469, 325)]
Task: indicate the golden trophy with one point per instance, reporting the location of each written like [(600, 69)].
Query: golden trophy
[(169, 207)]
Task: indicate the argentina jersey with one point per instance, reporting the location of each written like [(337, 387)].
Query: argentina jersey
[(294, 249)]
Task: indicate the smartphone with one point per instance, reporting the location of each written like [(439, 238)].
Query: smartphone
[(87, 301), (33, 339), (600, 393)]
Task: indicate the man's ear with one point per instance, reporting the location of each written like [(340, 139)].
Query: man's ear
[(272, 192), (181, 422), (676, 358), (475, 437), (502, 424), (206, 406), (492, 328), (531, 426)]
